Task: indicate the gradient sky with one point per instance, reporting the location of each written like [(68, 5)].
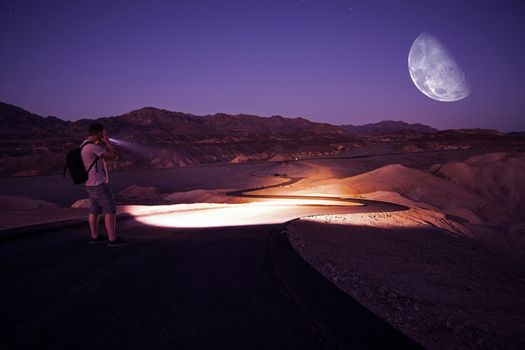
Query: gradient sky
[(342, 62)]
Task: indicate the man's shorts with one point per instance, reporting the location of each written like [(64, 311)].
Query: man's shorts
[(101, 199)]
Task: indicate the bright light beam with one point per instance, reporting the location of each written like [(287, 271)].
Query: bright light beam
[(220, 215)]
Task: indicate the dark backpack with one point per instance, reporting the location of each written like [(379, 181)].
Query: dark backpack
[(74, 163)]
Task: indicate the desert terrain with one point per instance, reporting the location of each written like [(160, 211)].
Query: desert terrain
[(423, 227), (447, 272)]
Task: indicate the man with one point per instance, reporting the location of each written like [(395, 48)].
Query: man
[(100, 196)]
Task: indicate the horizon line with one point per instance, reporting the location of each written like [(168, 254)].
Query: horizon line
[(256, 115)]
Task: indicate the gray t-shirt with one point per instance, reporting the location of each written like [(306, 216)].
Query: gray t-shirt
[(89, 154)]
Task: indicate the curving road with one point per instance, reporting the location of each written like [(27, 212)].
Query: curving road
[(205, 288), (372, 206)]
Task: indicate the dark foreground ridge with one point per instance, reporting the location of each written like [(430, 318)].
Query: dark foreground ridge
[(176, 288)]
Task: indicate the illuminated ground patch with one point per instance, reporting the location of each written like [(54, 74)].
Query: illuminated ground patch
[(219, 215)]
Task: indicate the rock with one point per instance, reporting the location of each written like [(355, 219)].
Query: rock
[(81, 203), (137, 192)]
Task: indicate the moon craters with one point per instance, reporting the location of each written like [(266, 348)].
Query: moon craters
[(434, 71)]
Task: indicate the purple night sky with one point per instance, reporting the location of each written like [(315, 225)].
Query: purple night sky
[(342, 62)]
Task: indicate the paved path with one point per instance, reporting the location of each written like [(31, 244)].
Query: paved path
[(190, 289), (216, 288)]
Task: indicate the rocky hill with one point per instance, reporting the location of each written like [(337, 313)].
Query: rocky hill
[(386, 127), (158, 123), (18, 123)]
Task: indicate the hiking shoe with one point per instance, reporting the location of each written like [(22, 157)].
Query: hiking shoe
[(117, 243), (99, 239)]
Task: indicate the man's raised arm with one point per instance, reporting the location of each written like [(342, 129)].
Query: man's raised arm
[(111, 152)]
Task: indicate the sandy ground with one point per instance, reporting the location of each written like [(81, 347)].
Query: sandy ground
[(481, 197), (442, 290), (449, 272), (18, 211)]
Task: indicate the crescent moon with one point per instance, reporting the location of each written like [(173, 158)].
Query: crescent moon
[(434, 71)]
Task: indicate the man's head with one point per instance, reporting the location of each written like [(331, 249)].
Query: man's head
[(96, 131)]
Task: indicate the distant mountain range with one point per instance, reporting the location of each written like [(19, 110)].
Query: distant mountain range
[(158, 123), (386, 126), (22, 124), (34, 145), (19, 124)]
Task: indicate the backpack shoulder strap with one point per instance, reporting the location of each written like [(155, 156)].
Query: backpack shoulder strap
[(85, 144), (91, 166), (96, 159)]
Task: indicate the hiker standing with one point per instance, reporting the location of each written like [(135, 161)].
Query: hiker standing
[(101, 199)]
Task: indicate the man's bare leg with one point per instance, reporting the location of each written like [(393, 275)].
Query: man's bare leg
[(93, 225), (110, 221)]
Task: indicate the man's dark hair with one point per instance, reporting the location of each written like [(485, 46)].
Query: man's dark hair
[(95, 128)]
